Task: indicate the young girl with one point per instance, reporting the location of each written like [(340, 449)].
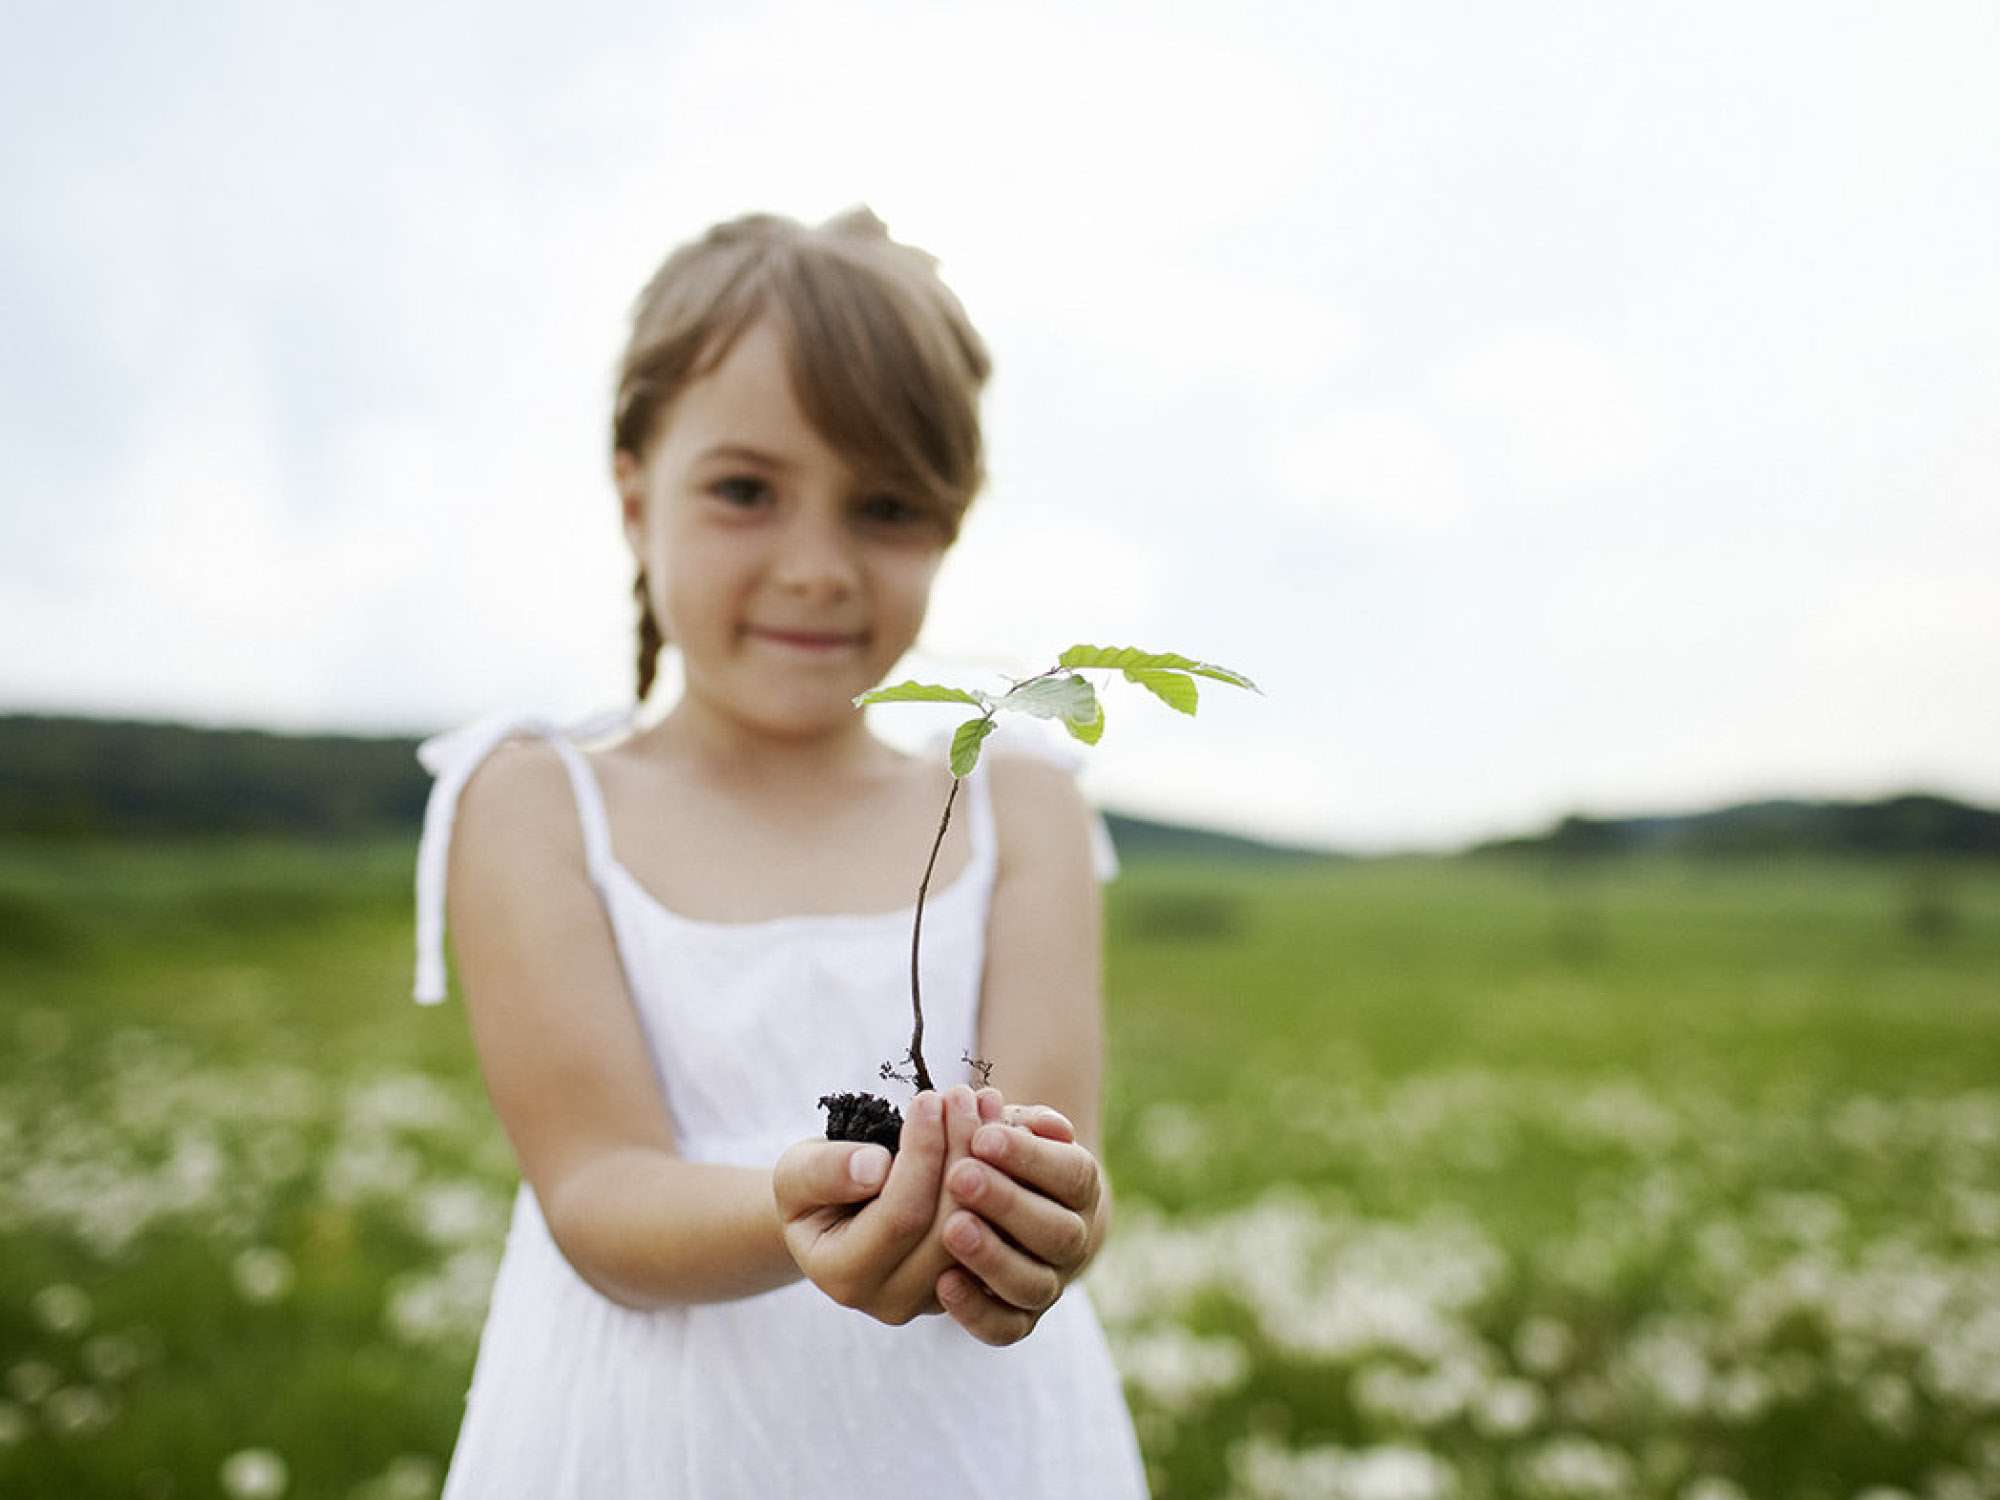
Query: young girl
[(670, 946)]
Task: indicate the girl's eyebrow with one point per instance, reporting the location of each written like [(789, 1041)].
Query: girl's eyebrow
[(744, 452)]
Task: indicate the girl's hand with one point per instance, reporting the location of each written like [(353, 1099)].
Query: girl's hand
[(1026, 1177), (885, 1257)]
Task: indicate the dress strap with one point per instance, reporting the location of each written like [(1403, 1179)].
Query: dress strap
[(452, 757)]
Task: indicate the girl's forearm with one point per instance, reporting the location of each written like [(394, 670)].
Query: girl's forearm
[(649, 1230)]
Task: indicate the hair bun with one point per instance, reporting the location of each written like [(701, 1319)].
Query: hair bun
[(859, 221)]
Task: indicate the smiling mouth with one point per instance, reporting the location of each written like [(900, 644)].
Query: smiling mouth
[(808, 640)]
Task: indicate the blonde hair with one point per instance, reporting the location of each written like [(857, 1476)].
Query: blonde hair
[(883, 360)]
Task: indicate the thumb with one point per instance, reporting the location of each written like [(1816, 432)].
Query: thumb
[(814, 1173)]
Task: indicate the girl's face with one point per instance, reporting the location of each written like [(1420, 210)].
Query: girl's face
[(789, 582)]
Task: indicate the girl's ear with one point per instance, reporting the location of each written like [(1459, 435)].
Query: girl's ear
[(629, 475)]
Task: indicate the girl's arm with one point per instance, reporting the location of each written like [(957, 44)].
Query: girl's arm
[(1041, 1005), (570, 1076), (1041, 1023), (566, 1064)]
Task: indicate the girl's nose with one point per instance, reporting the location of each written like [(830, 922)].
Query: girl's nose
[(816, 558)]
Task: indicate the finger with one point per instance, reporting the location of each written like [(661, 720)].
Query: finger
[(1042, 1120), (1055, 1239), (961, 1115), (979, 1313), (1063, 1170), (1012, 1275), (992, 1106), (914, 1260), (812, 1174), (904, 1211)]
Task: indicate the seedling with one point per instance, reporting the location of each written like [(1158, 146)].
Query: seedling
[(1062, 693)]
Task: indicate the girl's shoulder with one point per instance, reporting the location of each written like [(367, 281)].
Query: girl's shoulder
[(518, 814), (1040, 811)]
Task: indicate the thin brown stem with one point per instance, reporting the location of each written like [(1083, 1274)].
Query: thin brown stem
[(916, 938)]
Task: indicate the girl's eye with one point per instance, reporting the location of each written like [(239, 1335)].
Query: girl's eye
[(739, 490), (891, 510)]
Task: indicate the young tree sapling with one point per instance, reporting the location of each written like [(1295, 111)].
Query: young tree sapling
[(1061, 693)]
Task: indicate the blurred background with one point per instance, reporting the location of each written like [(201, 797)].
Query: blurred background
[(1553, 1031)]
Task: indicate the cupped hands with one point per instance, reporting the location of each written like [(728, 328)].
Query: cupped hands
[(1028, 1197), (986, 1212)]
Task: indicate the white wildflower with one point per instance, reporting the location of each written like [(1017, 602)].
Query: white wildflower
[(1963, 1361), (1394, 1473), (459, 1213), (413, 1476), (1954, 1484), (62, 1308), (1508, 1407), (403, 1101), (1741, 1394), (1173, 1135), (110, 1356), (1666, 1360), (262, 1274), (1266, 1470), (1975, 1213), (78, 1410), (1178, 1369), (255, 1474), (1543, 1345), (32, 1379), (1887, 1400), (1571, 1466)]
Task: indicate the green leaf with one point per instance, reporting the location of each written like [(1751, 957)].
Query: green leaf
[(1090, 731), (1175, 689), (921, 692), (1125, 658), (965, 745), (1065, 697)]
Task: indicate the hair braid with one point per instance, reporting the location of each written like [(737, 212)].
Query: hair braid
[(650, 639)]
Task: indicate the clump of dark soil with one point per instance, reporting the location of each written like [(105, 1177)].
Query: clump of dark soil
[(862, 1117)]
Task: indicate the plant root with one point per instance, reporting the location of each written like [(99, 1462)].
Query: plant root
[(862, 1117)]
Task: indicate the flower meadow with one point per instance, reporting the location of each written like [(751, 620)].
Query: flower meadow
[(1435, 1180)]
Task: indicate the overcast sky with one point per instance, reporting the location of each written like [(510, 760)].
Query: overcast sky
[(1553, 406)]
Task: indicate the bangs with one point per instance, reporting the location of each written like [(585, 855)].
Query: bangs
[(892, 393), (883, 360)]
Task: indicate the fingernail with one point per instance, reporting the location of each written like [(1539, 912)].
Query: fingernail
[(991, 1140), (929, 1106), (968, 1182), (964, 1235), (965, 1102), (870, 1166)]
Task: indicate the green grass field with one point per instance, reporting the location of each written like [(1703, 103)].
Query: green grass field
[(1435, 1179)]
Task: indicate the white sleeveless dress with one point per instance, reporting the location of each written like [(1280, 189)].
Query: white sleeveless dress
[(783, 1394)]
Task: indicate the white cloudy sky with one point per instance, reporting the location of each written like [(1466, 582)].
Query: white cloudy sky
[(1552, 405)]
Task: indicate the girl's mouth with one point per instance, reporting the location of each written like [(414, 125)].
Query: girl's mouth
[(807, 640)]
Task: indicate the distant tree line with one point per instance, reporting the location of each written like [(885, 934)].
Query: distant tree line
[(1913, 823), (111, 778), (66, 777), (81, 777)]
